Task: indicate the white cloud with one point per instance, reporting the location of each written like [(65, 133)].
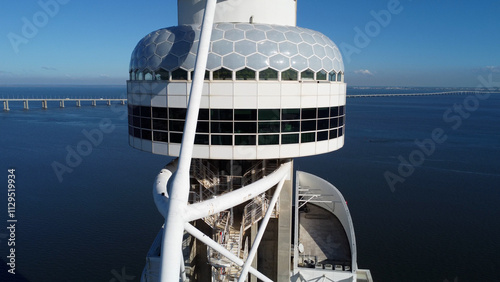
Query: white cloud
[(363, 72), (49, 68)]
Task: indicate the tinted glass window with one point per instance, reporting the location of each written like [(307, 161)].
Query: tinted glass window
[(245, 114), (222, 140), (244, 140), (269, 114), (269, 139)]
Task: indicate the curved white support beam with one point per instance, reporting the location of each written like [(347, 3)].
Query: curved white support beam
[(174, 209), (234, 198)]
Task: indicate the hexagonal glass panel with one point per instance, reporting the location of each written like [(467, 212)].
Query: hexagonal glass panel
[(233, 61), (319, 51), (315, 63), (222, 74), (307, 75), (275, 36), (222, 47), (244, 26), (268, 74), (255, 35), (162, 74), (224, 26), (339, 76), (308, 37), (332, 76), (234, 34), (162, 36), (180, 48), (288, 49), (306, 50), (245, 47), (179, 74), (257, 61), (245, 74), (279, 62), (214, 61), (327, 64), (293, 37), (319, 39), (299, 63), (217, 35), (289, 74), (321, 75), (163, 48), (268, 48)]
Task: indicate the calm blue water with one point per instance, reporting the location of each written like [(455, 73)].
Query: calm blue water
[(440, 223)]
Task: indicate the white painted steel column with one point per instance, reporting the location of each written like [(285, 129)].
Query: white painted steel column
[(177, 202), (262, 229)]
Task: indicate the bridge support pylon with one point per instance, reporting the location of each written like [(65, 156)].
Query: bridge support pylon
[(61, 104), (78, 103), (44, 104), (26, 106), (6, 105)]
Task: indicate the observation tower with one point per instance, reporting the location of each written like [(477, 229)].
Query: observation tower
[(234, 92)]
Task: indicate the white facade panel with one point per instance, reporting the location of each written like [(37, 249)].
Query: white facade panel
[(290, 89), (290, 102), (177, 88), (159, 101), (145, 100), (174, 149), (289, 150), (269, 88), (323, 101), (201, 151), (147, 145), (309, 88), (324, 89), (269, 102), (177, 101), (268, 152), (322, 147), (221, 102), (249, 102), (205, 102), (307, 149), (245, 152), (221, 88), (221, 152), (159, 88), (160, 148), (245, 89), (309, 101)]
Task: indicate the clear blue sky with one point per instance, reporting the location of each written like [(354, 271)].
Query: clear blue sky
[(428, 43)]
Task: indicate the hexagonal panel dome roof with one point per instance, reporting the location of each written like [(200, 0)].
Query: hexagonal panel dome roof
[(237, 46)]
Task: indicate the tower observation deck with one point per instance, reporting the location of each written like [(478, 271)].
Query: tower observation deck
[(271, 91)]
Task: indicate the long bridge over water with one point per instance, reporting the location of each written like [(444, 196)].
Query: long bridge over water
[(422, 94), (108, 101), (62, 101)]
